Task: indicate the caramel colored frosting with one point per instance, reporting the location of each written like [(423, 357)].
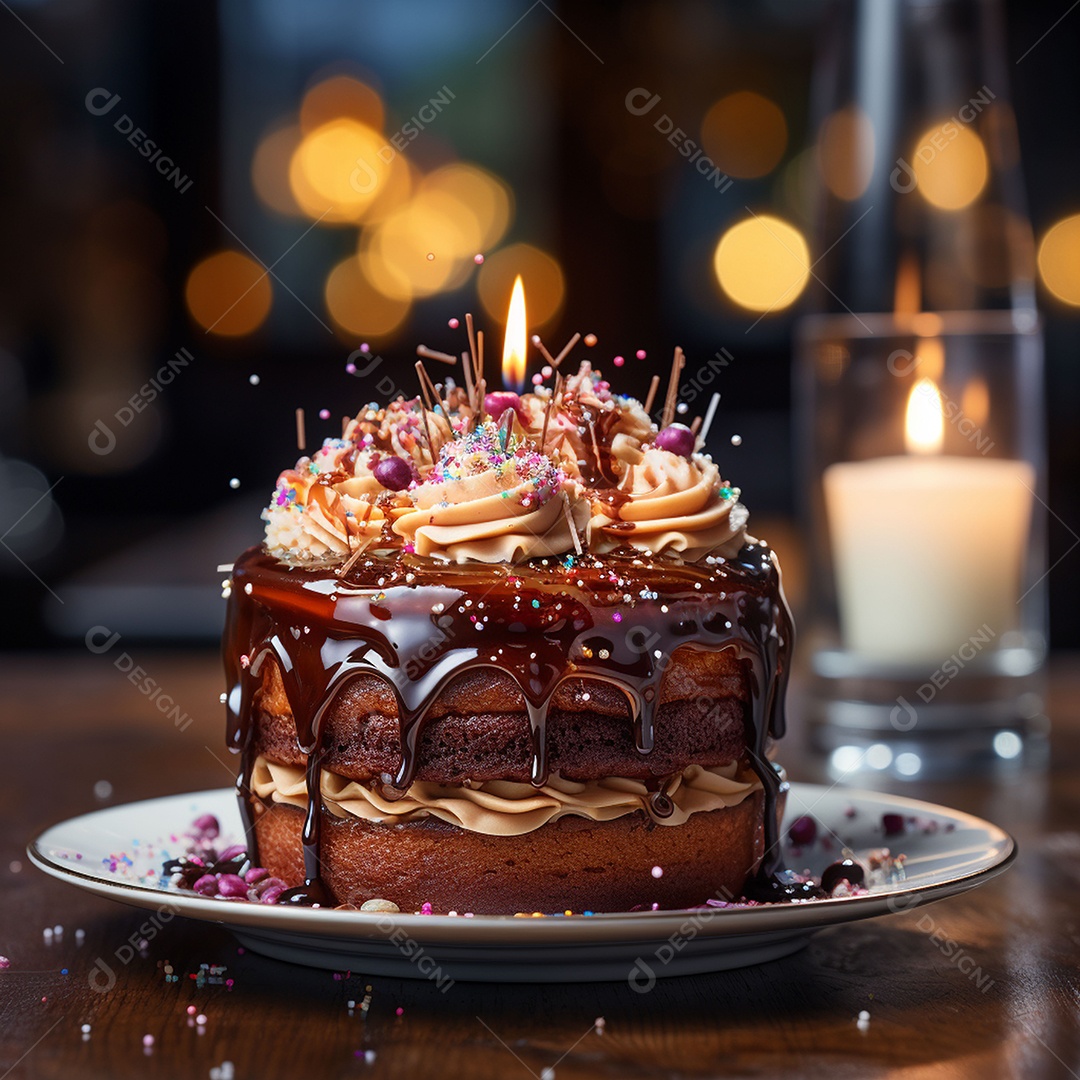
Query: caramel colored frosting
[(548, 478), (506, 808), (490, 498), (590, 424), (670, 504)]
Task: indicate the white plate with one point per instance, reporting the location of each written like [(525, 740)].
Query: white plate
[(112, 852)]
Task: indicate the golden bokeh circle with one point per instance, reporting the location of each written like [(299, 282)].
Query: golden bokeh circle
[(762, 263), (357, 307), (1059, 260), (228, 294), (745, 134), (541, 274), (950, 165)]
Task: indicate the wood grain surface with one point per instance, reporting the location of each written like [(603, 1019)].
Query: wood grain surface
[(68, 722)]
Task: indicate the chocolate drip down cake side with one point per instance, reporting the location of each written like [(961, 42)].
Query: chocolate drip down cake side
[(503, 653)]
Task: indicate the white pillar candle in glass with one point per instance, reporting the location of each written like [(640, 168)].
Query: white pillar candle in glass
[(928, 549)]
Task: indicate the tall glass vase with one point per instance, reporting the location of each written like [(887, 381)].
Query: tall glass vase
[(919, 389)]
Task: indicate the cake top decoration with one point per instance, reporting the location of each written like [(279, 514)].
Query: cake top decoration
[(464, 474)]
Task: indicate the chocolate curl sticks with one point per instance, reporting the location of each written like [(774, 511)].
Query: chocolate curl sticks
[(570, 522), (553, 403), (428, 406), (678, 362), (342, 570), (555, 361), (474, 367), (651, 396), (434, 354), (481, 382)]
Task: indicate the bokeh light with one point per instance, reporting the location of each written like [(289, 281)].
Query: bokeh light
[(336, 172), (745, 134), (950, 166), (1059, 260), (357, 307), (545, 284), (975, 401), (762, 263), (341, 97), (427, 244), (486, 198), (228, 294), (845, 153), (394, 253), (270, 169)]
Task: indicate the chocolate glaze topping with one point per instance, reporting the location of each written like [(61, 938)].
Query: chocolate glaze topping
[(418, 624)]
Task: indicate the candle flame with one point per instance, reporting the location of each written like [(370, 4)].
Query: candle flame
[(924, 424), (514, 343)]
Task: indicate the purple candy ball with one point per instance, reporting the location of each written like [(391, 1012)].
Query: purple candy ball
[(272, 894), (231, 852), (678, 439), (207, 885), (803, 830), (207, 824), (498, 401), (393, 473), (232, 885), (893, 824)]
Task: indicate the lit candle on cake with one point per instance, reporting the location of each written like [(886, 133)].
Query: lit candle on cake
[(928, 548), (515, 340), (513, 358)]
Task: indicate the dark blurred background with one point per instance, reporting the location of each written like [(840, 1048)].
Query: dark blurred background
[(189, 254)]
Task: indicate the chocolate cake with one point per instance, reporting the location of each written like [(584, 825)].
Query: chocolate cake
[(504, 653)]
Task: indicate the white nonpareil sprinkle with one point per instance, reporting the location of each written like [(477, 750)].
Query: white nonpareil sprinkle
[(864, 1021), (736, 440), (234, 483)]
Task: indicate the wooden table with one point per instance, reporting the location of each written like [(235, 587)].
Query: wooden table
[(69, 722)]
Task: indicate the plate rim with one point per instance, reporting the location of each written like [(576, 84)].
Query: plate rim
[(602, 926)]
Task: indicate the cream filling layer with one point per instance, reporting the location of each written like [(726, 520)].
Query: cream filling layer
[(503, 807)]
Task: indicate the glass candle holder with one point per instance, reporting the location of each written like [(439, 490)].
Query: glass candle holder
[(922, 443)]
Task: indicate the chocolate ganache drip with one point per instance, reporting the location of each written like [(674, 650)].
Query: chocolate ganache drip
[(417, 624)]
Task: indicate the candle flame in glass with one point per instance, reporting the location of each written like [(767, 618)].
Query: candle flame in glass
[(924, 424), (514, 343)]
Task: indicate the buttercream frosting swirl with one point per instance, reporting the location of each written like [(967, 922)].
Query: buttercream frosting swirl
[(670, 504), (315, 516), (490, 498), (507, 808)]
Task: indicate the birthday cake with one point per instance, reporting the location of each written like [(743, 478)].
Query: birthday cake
[(502, 654)]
